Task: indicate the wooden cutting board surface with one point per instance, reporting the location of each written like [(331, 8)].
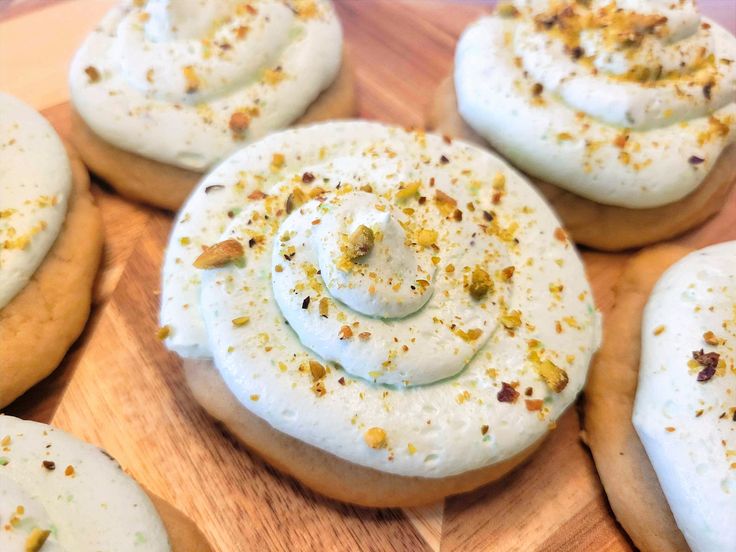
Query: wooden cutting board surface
[(119, 387)]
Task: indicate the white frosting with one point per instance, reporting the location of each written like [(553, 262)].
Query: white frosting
[(252, 317), (35, 183), (87, 502), (164, 78), (688, 427), (617, 134)]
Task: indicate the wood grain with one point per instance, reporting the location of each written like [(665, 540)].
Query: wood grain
[(124, 391)]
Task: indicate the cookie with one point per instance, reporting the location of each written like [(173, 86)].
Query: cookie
[(43, 318), (184, 536), (43, 470), (401, 309), (182, 104), (607, 227), (631, 484)]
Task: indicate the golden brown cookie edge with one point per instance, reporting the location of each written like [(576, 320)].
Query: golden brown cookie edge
[(41, 323)]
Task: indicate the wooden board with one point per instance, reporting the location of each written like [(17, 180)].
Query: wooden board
[(121, 389)]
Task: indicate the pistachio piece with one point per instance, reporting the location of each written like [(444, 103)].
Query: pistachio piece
[(220, 254), (36, 539), (426, 237), (480, 283), (375, 438), (360, 242), (296, 199), (317, 370)]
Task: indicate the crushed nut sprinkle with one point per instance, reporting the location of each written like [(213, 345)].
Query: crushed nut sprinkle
[(319, 389), (560, 235), (511, 320), (220, 254), (709, 362), (324, 307), (277, 161), (308, 178), (345, 333), (296, 199), (507, 273), (555, 377), (239, 122), (507, 393), (92, 73), (256, 195), (69, 471), (480, 284), (191, 78), (375, 438), (360, 242), (534, 405), (163, 332), (241, 321), (317, 370), (36, 539), (408, 191), (711, 339), (427, 237), (305, 302), (49, 465), (695, 160)]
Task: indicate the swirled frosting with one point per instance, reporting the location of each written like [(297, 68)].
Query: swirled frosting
[(186, 82), (60, 494), (402, 302), (35, 183), (634, 100), (685, 409)]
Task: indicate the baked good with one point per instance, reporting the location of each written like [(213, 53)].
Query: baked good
[(623, 113), (59, 493), (400, 313), (162, 91), (50, 247), (660, 410)]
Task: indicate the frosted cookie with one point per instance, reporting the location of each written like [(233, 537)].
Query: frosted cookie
[(58, 493), (623, 113), (660, 413), (403, 314), (50, 247), (164, 89)]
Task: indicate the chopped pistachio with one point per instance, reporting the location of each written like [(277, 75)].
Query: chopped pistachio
[(360, 242), (220, 254), (375, 438)]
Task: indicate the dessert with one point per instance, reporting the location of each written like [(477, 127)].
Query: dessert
[(50, 247), (623, 112), (162, 90), (58, 493), (660, 413), (401, 313)]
